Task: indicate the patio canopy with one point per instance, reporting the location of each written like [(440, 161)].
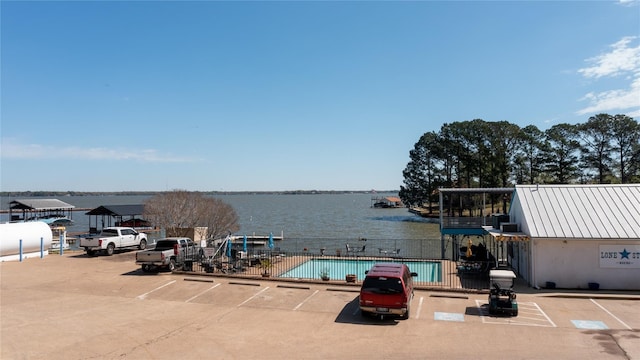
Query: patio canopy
[(506, 236)]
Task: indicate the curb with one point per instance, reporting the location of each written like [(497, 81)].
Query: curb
[(593, 296)]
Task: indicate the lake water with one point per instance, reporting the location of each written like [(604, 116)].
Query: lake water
[(311, 221)]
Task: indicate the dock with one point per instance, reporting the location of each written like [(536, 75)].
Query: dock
[(252, 240)]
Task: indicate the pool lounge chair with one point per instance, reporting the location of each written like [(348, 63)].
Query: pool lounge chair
[(354, 251)]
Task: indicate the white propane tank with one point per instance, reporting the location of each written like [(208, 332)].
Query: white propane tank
[(31, 233)]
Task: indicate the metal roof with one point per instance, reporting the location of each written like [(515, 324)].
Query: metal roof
[(117, 210), (39, 204), (578, 211), (502, 190)]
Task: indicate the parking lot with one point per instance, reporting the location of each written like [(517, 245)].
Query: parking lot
[(75, 307)]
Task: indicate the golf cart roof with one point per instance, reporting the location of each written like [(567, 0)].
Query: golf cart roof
[(503, 274)]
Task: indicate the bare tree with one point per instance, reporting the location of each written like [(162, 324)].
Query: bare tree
[(181, 209)]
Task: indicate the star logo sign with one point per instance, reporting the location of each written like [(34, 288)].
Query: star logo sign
[(624, 254)]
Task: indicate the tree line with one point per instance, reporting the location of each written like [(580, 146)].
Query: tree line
[(480, 154)]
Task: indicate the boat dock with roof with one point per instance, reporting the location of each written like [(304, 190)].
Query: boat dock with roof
[(51, 211)]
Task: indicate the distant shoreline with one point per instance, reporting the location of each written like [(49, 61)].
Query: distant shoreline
[(151, 193)]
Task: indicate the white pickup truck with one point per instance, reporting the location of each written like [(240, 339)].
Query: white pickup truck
[(112, 238)]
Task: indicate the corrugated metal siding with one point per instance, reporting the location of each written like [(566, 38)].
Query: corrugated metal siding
[(580, 211)]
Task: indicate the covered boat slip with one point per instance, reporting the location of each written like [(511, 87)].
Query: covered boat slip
[(386, 202), (59, 213), (39, 209), (117, 215)]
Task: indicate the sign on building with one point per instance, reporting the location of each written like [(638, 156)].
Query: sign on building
[(620, 256)]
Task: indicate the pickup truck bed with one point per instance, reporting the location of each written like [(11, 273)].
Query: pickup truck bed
[(169, 253)]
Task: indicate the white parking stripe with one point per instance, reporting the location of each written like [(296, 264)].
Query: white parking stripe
[(305, 300), (211, 288), (531, 309), (419, 307), (545, 315), (141, 297), (251, 298), (613, 316)]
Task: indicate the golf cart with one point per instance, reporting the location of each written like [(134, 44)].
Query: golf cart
[(502, 298)]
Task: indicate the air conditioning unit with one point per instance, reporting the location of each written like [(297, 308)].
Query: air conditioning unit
[(509, 227), (497, 219)]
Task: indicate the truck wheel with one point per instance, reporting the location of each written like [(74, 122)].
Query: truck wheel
[(172, 265), (91, 253), (111, 249), (142, 245), (146, 268)]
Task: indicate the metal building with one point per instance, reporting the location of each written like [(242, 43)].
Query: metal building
[(574, 236)]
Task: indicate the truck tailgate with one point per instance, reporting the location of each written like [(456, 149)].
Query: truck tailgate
[(89, 242), (149, 256)]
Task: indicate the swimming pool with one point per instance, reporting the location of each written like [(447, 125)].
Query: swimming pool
[(428, 271)]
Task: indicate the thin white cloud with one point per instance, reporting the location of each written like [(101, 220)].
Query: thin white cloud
[(622, 60), (629, 2), (614, 100), (12, 149)]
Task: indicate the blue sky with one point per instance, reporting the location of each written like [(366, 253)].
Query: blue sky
[(270, 96)]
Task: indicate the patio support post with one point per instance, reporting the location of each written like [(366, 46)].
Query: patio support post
[(442, 251)]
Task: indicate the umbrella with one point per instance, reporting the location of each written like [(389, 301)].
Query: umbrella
[(229, 246), (244, 243), (270, 240)]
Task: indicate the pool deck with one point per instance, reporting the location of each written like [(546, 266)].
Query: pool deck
[(282, 264)]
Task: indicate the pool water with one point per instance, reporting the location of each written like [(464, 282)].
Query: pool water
[(428, 271)]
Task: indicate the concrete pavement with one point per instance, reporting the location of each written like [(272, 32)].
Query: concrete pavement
[(75, 307)]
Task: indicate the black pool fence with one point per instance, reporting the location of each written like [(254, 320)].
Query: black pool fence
[(286, 261)]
